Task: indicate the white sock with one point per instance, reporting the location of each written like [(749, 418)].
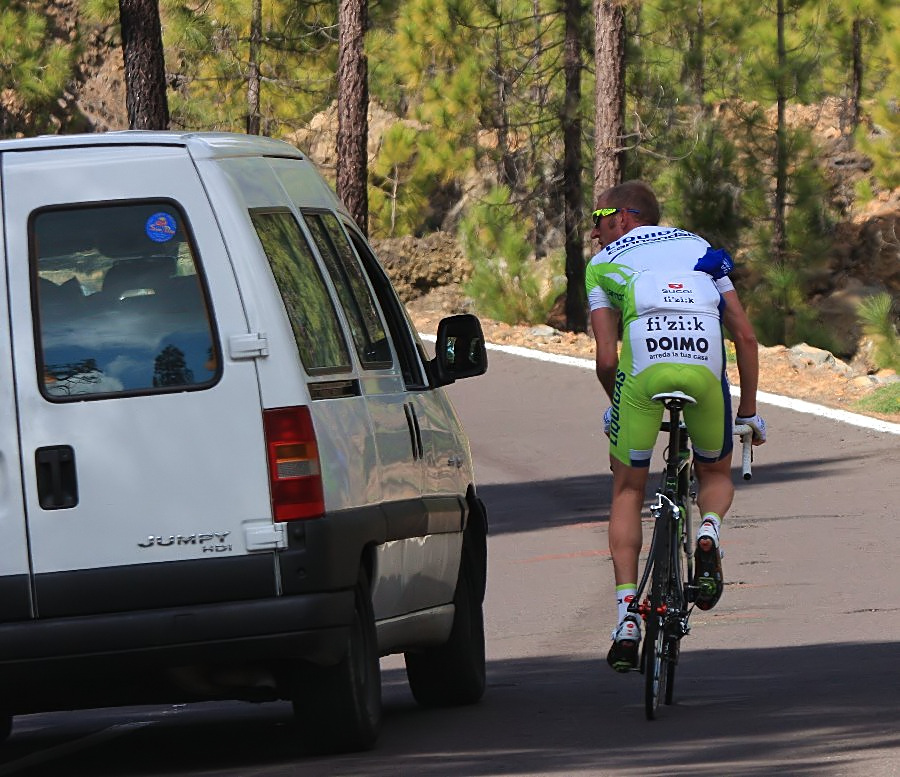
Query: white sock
[(712, 518), (624, 596)]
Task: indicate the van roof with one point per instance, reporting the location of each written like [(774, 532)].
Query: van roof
[(202, 145)]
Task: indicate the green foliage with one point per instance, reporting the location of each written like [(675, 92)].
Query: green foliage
[(32, 64), (882, 140), (705, 192), (879, 322), (398, 184), (885, 400), (504, 283), (779, 290), (208, 50)]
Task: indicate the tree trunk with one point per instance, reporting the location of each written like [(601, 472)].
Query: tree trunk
[(576, 302), (609, 94), (698, 75), (253, 80), (779, 229), (353, 104), (779, 237), (145, 71), (857, 77)]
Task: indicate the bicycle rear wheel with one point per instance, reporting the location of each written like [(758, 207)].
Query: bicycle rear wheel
[(655, 665)]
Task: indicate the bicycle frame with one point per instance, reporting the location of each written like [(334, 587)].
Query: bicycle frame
[(666, 609)]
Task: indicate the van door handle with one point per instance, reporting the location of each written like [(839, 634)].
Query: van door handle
[(57, 483)]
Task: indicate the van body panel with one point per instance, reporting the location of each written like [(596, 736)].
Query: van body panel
[(145, 485), (15, 587)]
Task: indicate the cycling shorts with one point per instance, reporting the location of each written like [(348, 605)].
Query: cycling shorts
[(636, 417)]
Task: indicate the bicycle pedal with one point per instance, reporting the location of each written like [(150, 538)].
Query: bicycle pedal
[(707, 586)]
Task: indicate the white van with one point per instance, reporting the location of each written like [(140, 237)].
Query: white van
[(228, 469)]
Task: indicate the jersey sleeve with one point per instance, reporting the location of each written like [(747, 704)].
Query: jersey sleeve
[(605, 284)]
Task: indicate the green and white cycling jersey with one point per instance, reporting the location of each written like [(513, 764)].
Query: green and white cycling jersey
[(670, 312), (672, 317), (672, 339)]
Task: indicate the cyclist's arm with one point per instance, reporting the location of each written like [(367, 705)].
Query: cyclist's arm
[(605, 323), (735, 319)]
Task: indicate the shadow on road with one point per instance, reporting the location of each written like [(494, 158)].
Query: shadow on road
[(523, 507), (737, 712)]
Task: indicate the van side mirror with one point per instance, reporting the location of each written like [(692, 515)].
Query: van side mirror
[(460, 351)]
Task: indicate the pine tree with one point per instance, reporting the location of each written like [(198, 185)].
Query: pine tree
[(782, 178), (855, 70), (503, 280), (218, 59)]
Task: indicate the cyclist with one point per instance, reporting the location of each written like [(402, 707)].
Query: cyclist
[(673, 295)]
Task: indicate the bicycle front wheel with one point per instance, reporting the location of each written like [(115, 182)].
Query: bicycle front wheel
[(679, 573), (655, 665)]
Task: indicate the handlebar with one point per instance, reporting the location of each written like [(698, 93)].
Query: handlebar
[(746, 434)]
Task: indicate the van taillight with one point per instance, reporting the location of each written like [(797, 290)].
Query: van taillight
[(294, 473)]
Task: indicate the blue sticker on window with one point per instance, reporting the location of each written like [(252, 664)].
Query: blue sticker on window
[(160, 227)]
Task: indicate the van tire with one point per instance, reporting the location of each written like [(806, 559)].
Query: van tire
[(338, 708), (453, 674)]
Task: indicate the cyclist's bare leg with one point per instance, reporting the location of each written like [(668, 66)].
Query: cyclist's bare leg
[(625, 535), (716, 490)]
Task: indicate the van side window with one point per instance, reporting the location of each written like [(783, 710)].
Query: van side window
[(120, 304), (309, 307), (410, 350), (357, 301)]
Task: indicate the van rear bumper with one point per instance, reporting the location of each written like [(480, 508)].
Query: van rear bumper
[(313, 627)]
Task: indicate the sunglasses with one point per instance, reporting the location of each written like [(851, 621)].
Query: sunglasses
[(604, 212)]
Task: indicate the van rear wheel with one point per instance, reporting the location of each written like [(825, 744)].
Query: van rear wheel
[(453, 674), (338, 708)]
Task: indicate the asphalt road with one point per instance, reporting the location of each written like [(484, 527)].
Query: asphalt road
[(794, 672)]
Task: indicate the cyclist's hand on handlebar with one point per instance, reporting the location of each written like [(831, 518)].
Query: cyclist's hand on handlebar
[(757, 424), (607, 420)]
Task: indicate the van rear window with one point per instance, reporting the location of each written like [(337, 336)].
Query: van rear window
[(120, 304)]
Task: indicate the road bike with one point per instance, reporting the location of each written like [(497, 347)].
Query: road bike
[(667, 606)]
